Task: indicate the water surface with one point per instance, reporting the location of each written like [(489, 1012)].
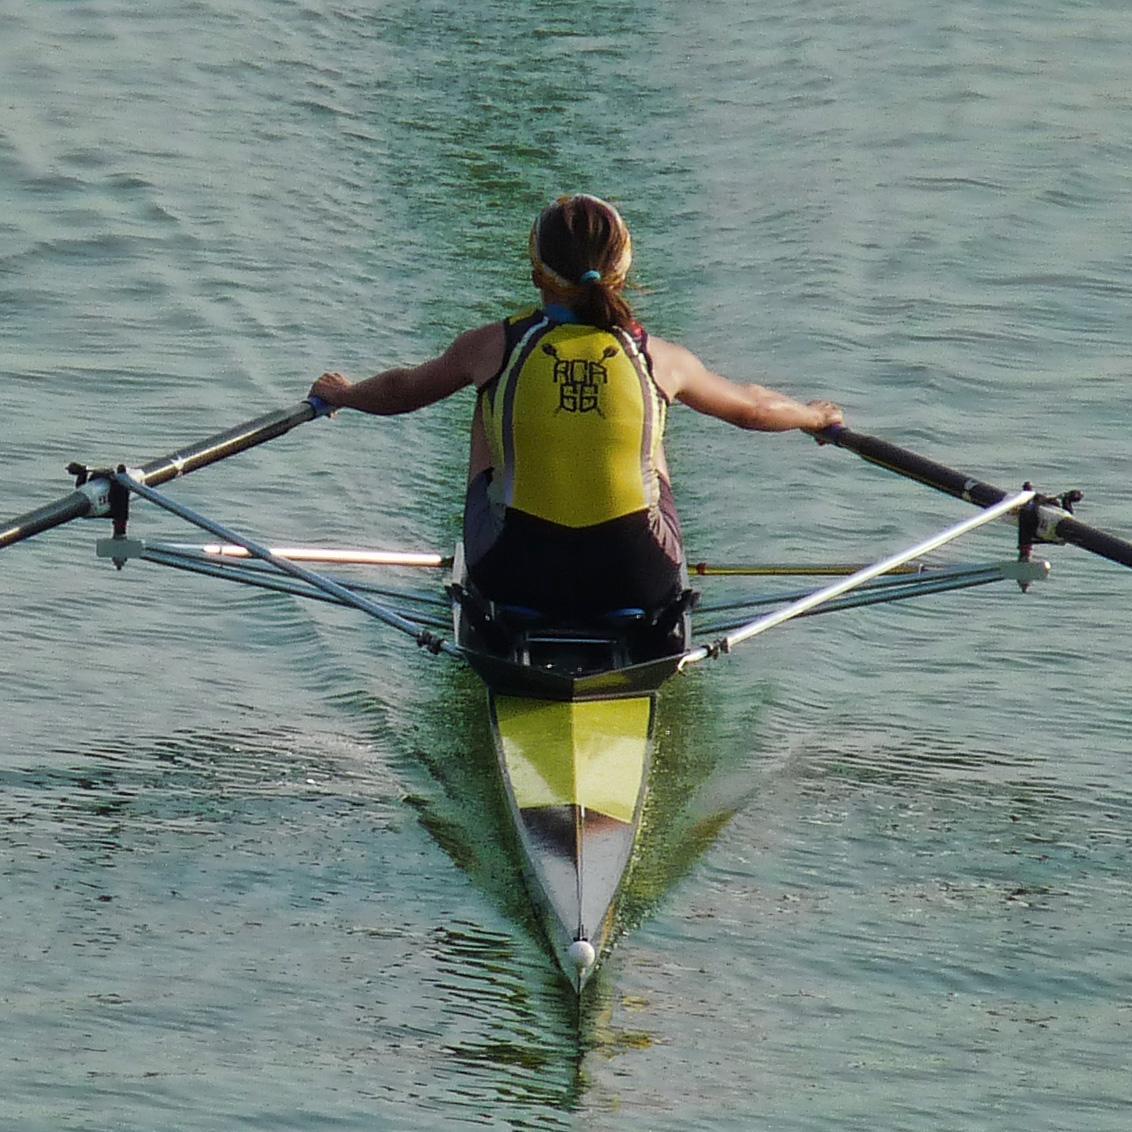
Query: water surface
[(252, 871)]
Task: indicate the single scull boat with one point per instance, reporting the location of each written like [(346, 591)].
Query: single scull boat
[(572, 706)]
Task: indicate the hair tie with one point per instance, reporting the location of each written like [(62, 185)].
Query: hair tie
[(591, 277)]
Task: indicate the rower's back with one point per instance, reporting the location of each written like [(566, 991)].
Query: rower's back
[(574, 421)]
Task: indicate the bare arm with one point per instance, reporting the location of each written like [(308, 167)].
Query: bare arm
[(683, 377), (472, 359)]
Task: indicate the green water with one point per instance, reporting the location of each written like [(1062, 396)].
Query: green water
[(251, 873)]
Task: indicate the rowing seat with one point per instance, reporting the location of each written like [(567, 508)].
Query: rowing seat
[(610, 639), (526, 616)]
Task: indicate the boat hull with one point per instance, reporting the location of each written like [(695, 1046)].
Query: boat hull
[(573, 717), (575, 775)]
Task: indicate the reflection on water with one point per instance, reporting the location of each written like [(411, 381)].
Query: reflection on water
[(241, 896), (688, 805), (512, 1037)]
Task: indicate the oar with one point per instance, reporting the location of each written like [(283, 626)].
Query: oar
[(1052, 522), (92, 496)]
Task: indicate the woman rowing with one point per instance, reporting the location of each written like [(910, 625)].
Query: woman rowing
[(569, 507)]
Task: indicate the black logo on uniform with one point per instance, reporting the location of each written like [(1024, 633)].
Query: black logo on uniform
[(579, 380)]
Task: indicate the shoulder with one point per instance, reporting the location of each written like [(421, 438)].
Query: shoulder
[(478, 353), (674, 366), (672, 353)]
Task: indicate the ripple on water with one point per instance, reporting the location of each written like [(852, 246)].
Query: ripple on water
[(245, 872)]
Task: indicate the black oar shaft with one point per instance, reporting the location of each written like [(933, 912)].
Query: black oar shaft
[(1099, 542), (224, 444), (73, 506), (179, 463), (962, 486), (896, 459)]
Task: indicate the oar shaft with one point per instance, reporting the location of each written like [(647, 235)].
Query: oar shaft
[(1055, 524), (90, 498), (73, 506), (225, 444), (1099, 542), (322, 554), (785, 570), (906, 463)]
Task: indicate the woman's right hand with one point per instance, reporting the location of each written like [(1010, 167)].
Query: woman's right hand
[(333, 388)]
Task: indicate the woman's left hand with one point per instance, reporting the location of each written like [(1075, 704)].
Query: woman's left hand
[(827, 413)]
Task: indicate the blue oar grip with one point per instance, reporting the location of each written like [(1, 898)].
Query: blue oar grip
[(321, 408), (829, 434)]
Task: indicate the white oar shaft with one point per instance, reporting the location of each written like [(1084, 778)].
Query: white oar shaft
[(285, 566), (828, 593), (339, 557)]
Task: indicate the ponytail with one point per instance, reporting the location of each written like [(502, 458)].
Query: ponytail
[(602, 305)]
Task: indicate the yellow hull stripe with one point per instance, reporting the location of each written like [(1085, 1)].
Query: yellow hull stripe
[(590, 753)]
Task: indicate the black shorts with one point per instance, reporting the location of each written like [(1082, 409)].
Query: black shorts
[(632, 561)]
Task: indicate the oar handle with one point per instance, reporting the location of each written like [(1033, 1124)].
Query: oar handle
[(1061, 526), (90, 496), (321, 408), (913, 466), (258, 430)]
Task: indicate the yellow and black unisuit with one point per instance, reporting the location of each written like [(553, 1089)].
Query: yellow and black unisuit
[(575, 511)]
